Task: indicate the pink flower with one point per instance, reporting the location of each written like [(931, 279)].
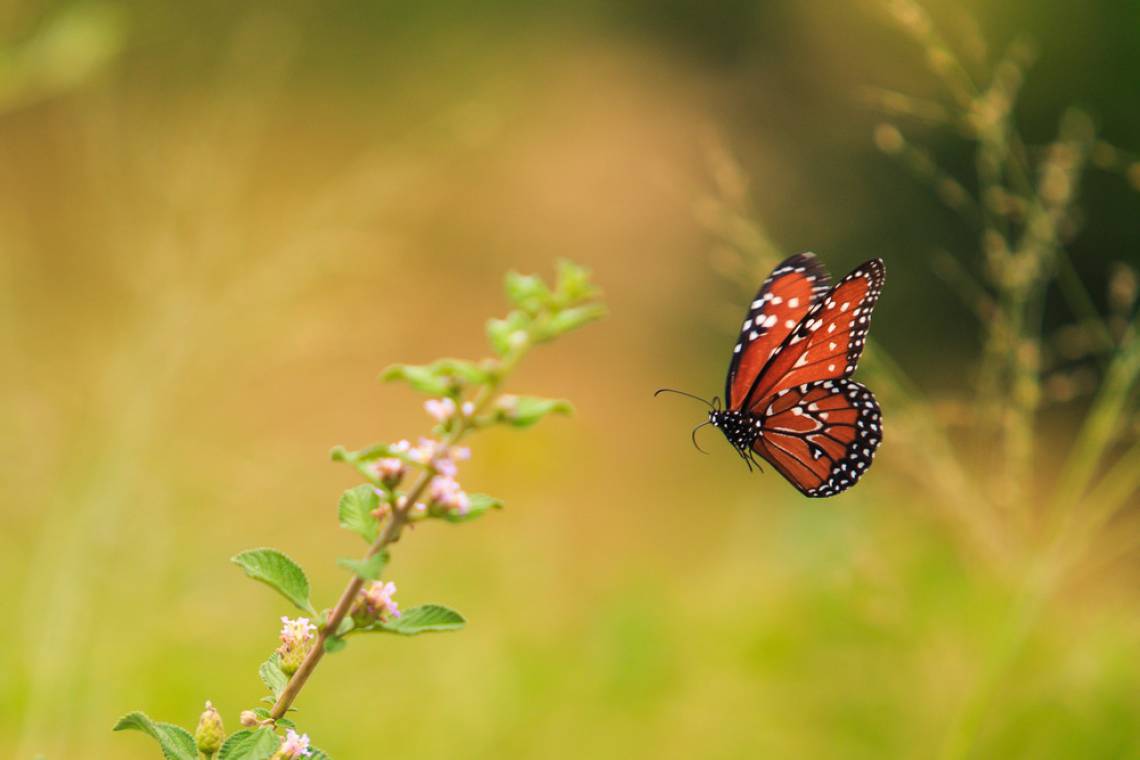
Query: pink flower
[(461, 503), (294, 745), (424, 452), (444, 463), (389, 469), (296, 632), (446, 467), (446, 493), (441, 487), (440, 409), (378, 599)]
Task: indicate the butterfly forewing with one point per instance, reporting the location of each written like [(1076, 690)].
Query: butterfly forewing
[(827, 342), (793, 288), (821, 436)]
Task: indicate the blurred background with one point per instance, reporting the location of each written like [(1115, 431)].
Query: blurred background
[(219, 221)]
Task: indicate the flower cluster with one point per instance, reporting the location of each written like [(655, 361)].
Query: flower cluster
[(297, 637), (389, 470), (375, 603), (421, 453), (444, 493), (292, 746), (443, 409), (447, 495)]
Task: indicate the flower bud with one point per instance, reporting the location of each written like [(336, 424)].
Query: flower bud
[(210, 733), (440, 409), (390, 470), (249, 718), (297, 639)]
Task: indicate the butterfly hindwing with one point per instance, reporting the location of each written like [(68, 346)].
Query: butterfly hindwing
[(793, 288), (821, 436), (827, 343)]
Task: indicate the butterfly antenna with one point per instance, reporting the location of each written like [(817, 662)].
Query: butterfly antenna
[(706, 402), (694, 436)]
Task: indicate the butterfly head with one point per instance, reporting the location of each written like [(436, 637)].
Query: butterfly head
[(739, 428)]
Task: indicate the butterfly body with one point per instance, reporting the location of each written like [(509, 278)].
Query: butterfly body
[(789, 398)]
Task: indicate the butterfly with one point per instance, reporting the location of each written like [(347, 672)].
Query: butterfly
[(788, 394)]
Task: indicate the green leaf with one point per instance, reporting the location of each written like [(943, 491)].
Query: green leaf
[(425, 619), (501, 332), (247, 744), (524, 411), (527, 292), (574, 282), (368, 569), (355, 512), (334, 644), (423, 379), (316, 754), (479, 503), (176, 743), (461, 369), (373, 452), (272, 676), (277, 571), (571, 319)]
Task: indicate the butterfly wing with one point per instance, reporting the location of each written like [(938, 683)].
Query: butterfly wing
[(792, 289), (821, 436), (827, 343)]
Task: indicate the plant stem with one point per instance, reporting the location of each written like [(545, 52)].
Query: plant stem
[(390, 535)]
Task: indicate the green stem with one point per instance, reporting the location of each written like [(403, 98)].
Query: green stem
[(1102, 423)]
